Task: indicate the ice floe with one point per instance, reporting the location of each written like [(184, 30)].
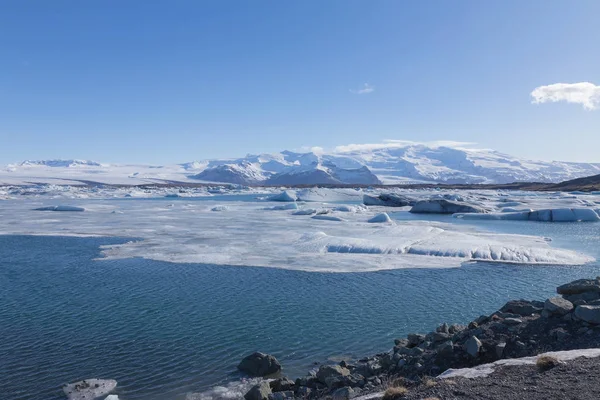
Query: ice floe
[(325, 237), (59, 208), (89, 389)]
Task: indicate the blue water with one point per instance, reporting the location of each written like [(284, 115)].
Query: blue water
[(163, 330)]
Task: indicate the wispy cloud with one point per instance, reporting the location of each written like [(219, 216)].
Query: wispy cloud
[(585, 93), (366, 88), (392, 144)]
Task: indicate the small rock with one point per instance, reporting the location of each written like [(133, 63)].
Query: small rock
[(500, 349), (455, 328), (558, 306), (331, 374), (582, 330), (512, 321), (472, 346), (287, 395), (444, 328), (303, 392), (446, 349), (414, 339), (344, 393), (439, 336), (259, 392)]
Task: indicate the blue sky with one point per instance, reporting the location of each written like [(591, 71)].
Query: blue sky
[(174, 81)]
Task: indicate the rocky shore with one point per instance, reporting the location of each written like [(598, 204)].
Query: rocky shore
[(414, 368)]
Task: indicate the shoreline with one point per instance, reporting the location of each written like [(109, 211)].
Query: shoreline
[(521, 328)]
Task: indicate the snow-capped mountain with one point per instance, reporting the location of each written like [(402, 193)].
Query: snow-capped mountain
[(388, 163)]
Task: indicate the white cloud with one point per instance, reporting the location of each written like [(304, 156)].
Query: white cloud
[(585, 93), (364, 90), (395, 144)]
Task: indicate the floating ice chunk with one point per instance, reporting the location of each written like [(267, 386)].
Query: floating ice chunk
[(305, 211), (232, 391), (219, 208), (380, 218), (586, 214), (59, 208), (89, 389), (345, 209), (327, 218), (291, 206), (172, 195), (286, 195), (328, 195), (112, 397)]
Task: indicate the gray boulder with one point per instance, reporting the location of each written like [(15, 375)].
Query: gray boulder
[(259, 392), (558, 306), (330, 375), (282, 384), (260, 364), (579, 286), (522, 307), (472, 346), (415, 339), (441, 206), (590, 314)]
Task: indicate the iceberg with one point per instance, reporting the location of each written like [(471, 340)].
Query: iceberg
[(380, 218), (286, 195)]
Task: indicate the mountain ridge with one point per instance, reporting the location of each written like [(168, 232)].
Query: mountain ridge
[(393, 163)]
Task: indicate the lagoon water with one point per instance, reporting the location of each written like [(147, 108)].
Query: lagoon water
[(165, 330)]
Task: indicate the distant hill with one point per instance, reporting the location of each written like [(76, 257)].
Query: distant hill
[(586, 184)]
